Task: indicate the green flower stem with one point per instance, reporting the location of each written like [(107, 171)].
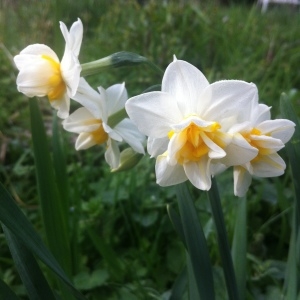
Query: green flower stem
[(199, 267), (117, 117), (116, 60), (239, 247), (216, 207)]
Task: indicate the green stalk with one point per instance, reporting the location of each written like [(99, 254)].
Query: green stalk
[(198, 260), (224, 248), (239, 247)]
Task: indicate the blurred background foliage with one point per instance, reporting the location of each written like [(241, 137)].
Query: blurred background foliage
[(125, 246)]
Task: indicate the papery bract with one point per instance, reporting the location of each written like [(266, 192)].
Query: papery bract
[(188, 121), (91, 121), (42, 74)]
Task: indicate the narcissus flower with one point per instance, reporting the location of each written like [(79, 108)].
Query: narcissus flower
[(188, 122), (268, 137), (91, 121), (42, 74)]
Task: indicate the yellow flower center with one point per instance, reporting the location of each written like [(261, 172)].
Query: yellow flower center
[(99, 135), (56, 82), (194, 146), (257, 144)]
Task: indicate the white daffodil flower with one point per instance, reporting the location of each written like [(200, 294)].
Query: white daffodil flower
[(188, 122), (268, 137), (42, 74), (90, 121)]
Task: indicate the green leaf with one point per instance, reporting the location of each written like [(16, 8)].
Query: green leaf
[(293, 148), (176, 221), (201, 270), (52, 209), (6, 292), (179, 286), (224, 248), (34, 281), (12, 217), (239, 247)]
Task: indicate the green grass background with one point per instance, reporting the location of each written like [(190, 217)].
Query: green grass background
[(124, 246)]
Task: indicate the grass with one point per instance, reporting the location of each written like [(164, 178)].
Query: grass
[(125, 246)]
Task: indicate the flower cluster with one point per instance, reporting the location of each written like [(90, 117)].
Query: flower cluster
[(195, 129), (42, 74)]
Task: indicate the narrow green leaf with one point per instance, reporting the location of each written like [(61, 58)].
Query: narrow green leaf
[(51, 204), (224, 248), (196, 245), (179, 286), (176, 221), (60, 168), (291, 277), (239, 247), (12, 217), (6, 292), (293, 148), (193, 288), (31, 275)]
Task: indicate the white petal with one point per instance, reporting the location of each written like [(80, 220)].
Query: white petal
[(34, 79), (242, 181), (238, 152), (184, 82), (84, 141), (267, 142), (128, 131), (62, 106), (280, 129), (112, 154), (70, 69), (228, 102), (198, 173), (33, 52), (157, 147), (89, 98), (116, 96), (153, 113), (269, 166), (214, 150), (80, 121), (260, 113), (167, 175), (113, 134), (74, 37), (176, 143)]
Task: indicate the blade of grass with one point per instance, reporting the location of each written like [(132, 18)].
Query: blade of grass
[(51, 205), (6, 292), (12, 217), (196, 245), (239, 247), (224, 248), (31, 275)]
